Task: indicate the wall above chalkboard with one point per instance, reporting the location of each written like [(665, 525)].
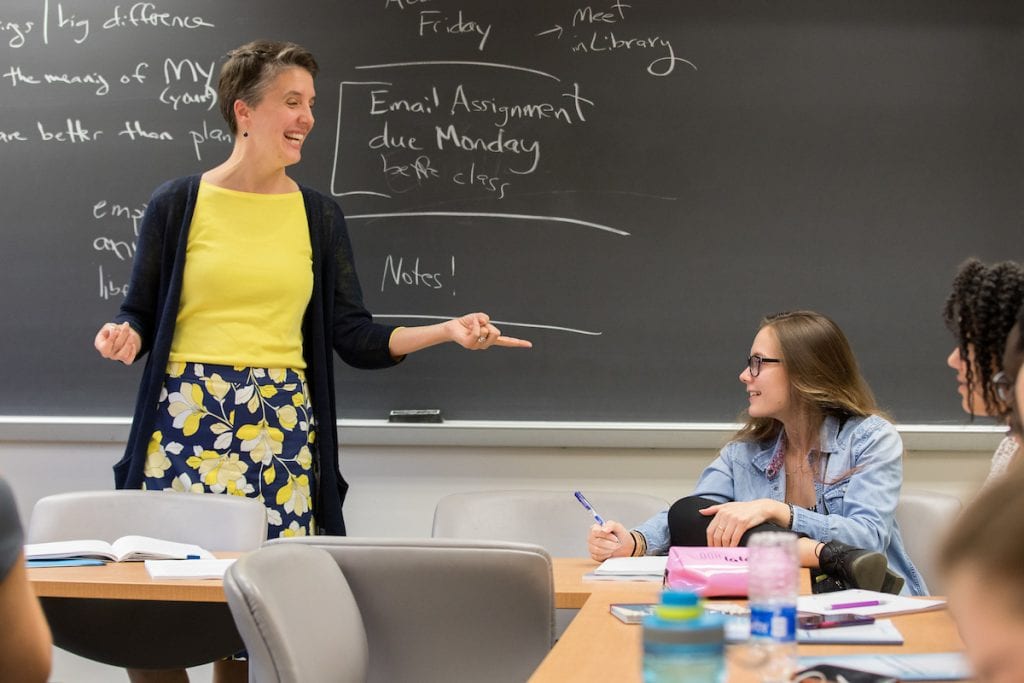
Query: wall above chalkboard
[(630, 185)]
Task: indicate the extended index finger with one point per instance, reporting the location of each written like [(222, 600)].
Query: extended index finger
[(513, 342)]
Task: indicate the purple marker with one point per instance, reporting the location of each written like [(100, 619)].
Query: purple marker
[(851, 605)]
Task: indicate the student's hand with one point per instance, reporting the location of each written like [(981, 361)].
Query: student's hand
[(732, 520), (474, 331), (118, 342), (610, 540)]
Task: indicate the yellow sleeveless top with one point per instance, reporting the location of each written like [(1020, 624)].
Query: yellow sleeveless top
[(247, 282)]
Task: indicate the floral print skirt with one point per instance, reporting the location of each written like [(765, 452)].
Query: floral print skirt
[(240, 431)]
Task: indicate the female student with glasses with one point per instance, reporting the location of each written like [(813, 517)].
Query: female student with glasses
[(814, 456), (980, 310)]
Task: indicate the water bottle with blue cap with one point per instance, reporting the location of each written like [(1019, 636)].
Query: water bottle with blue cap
[(682, 644)]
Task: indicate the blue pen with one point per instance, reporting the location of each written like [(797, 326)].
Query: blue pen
[(586, 503)]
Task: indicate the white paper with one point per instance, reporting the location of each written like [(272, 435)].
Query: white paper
[(882, 632), (648, 565), (826, 603), (933, 666), (187, 569)]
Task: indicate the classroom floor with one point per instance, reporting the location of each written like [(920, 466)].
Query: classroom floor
[(69, 668)]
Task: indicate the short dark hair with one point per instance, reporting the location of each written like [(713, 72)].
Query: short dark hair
[(251, 67), (979, 312)]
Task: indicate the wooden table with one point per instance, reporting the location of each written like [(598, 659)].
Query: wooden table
[(595, 647), (598, 647), (123, 581), (129, 581)]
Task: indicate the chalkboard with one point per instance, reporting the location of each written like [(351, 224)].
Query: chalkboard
[(631, 185)]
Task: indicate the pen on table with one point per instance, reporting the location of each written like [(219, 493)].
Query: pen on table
[(586, 504), (851, 605)]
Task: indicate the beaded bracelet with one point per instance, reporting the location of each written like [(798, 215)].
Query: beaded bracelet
[(790, 515), (639, 544)]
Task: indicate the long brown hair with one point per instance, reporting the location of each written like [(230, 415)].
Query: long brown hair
[(823, 374)]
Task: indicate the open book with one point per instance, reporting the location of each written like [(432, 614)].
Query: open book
[(124, 549)]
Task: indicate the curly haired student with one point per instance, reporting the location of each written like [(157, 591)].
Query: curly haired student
[(980, 311)]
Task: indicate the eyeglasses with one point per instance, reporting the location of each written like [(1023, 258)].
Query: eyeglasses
[(755, 362), (1003, 386)]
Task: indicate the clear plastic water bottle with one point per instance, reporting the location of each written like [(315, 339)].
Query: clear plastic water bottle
[(773, 585), (682, 644)]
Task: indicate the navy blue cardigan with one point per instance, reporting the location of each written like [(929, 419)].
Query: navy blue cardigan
[(335, 319)]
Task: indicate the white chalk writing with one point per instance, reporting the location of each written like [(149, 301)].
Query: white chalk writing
[(207, 134), (434, 22), (106, 209), (185, 73), (73, 132), (108, 288), (147, 14), (18, 32), (398, 273), (12, 136), (133, 131), (18, 76), (499, 144), (402, 4)]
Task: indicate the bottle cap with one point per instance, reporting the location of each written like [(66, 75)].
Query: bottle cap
[(679, 605), (680, 620)]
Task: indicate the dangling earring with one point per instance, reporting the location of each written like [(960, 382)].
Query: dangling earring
[(245, 134)]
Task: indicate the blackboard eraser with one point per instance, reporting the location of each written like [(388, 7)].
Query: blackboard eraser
[(430, 416)]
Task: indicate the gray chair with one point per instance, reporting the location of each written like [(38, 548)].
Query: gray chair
[(147, 634), (438, 610), (924, 517), (297, 616), (553, 520)]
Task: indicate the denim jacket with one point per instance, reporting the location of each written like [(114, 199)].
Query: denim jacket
[(857, 510)]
